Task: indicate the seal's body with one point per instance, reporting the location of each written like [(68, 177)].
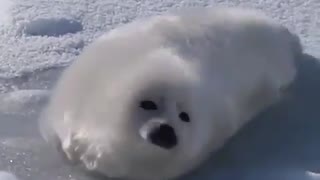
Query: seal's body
[(153, 98)]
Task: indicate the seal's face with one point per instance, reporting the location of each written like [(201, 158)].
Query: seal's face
[(162, 114), (157, 127), (158, 130)]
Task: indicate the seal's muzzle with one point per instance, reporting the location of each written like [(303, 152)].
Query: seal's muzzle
[(160, 134)]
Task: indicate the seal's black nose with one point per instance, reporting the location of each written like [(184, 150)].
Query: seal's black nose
[(163, 136)]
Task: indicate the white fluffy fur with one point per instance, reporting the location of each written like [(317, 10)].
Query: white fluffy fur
[(221, 65)]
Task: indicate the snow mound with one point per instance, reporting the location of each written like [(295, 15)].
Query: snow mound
[(7, 176), (52, 27)]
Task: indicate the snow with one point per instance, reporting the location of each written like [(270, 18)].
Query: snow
[(7, 176), (17, 101), (5, 17), (314, 176), (34, 17), (38, 38)]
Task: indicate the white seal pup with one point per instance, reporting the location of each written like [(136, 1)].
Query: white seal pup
[(154, 98)]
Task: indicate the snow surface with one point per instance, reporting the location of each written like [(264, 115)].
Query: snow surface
[(38, 38), (7, 176)]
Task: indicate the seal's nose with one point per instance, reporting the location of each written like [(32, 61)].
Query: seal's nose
[(163, 136)]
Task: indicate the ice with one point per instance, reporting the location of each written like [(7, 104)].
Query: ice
[(38, 38)]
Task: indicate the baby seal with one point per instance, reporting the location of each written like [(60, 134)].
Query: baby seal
[(152, 99)]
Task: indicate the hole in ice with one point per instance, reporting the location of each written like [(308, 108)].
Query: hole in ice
[(51, 27)]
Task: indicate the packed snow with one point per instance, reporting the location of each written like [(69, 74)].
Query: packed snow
[(39, 38)]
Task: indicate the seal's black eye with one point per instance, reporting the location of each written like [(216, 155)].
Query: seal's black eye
[(184, 117), (148, 105)]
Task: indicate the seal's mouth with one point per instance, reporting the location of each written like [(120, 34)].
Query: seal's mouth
[(159, 134)]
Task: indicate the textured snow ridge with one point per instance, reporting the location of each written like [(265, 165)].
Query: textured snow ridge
[(44, 33)]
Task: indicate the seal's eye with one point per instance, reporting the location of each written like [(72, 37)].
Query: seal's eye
[(184, 117), (148, 105)]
